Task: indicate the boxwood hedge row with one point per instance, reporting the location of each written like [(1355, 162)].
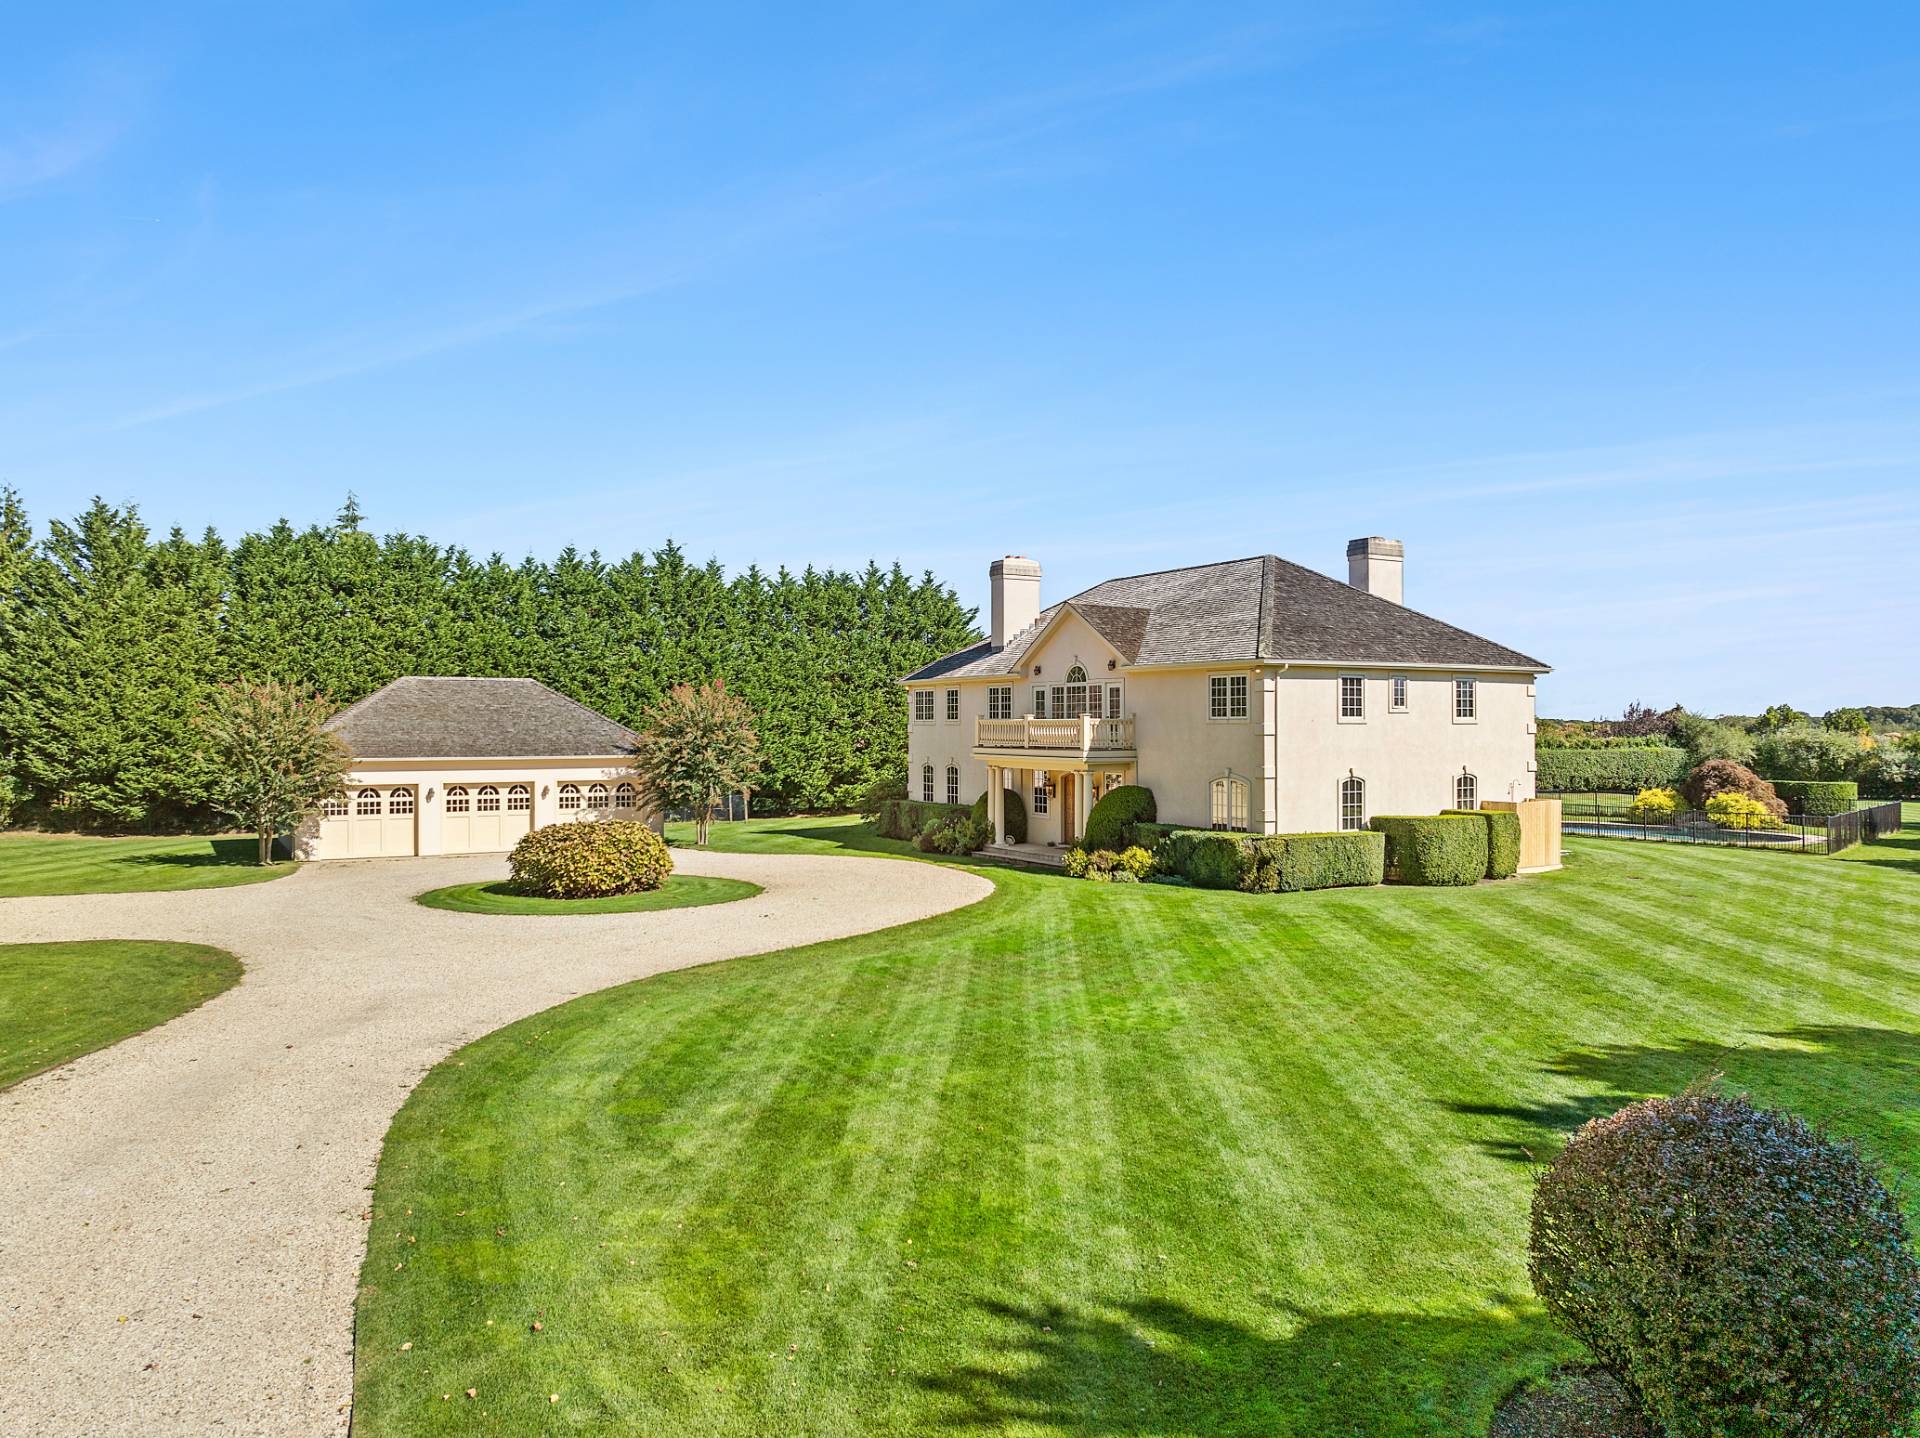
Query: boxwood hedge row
[(1267, 863), (1503, 840), (1817, 797), (1439, 849), (1621, 770)]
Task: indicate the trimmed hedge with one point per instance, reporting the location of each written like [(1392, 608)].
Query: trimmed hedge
[(1439, 849), (589, 859), (1014, 812), (1622, 770), (1817, 797), (1268, 863), (1110, 824), (906, 818), (1149, 836), (1503, 840), (1332, 861)]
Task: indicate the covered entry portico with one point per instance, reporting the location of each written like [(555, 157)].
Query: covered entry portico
[(1060, 767)]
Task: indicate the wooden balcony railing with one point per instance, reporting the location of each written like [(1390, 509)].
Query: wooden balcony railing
[(1082, 735)]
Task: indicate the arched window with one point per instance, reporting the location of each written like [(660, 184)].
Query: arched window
[(335, 808), (953, 785), (624, 796), (1074, 700), (926, 783), (1353, 803), (487, 801), (1466, 792), (366, 803), (569, 796), (519, 798), (1076, 675), (596, 796), (1230, 803), (400, 804), (458, 800)]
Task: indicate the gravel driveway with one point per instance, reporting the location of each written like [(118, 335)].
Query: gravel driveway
[(181, 1215)]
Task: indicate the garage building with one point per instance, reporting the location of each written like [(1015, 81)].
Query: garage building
[(468, 766)]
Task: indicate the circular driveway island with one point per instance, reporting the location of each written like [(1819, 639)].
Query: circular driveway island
[(184, 1213)]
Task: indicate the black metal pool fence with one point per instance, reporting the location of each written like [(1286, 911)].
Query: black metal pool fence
[(1609, 816)]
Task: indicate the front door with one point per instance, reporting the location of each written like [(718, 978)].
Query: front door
[(1065, 799)]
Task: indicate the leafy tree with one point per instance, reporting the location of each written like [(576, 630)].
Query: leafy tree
[(274, 762), (696, 745), (1845, 721), (1781, 716), (1804, 752), (1705, 739)]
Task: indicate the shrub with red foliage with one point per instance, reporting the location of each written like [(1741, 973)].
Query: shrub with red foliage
[(1740, 1273), (1723, 776)]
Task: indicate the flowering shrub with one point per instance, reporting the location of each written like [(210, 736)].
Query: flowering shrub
[(1741, 1274), (1104, 866), (1655, 806), (590, 860), (1737, 811)]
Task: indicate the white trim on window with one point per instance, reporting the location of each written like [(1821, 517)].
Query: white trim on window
[(1228, 795), (1039, 805), (1226, 698), (1113, 702), (1000, 702), (953, 706), (923, 706), (1353, 802), (1398, 694), (1466, 791), (1353, 699), (1039, 701), (926, 783), (953, 784), (1466, 701)]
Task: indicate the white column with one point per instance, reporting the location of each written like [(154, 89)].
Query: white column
[(1082, 784), (996, 805)]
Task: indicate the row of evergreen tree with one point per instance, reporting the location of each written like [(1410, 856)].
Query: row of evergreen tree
[(110, 639)]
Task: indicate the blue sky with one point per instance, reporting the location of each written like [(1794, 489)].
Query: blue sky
[(1609, 312)]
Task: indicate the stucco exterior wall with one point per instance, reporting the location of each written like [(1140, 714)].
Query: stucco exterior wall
[(432, 776)]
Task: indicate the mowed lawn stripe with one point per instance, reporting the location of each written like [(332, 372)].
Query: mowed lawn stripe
[(33, 864), (1171, 1161)]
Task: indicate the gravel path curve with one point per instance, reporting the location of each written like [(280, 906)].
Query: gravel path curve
[(182, 1214)]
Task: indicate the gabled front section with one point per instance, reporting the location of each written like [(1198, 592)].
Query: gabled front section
[(1250, 695)]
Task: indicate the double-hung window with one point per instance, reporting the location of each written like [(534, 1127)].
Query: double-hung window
[(1399, 704), (953, 784), (1227, 696), (926, 783), (953, 705), (1353, 803), (1039, 796), (923, 706), (1466, 699), (1000, 702), (1353, 697)]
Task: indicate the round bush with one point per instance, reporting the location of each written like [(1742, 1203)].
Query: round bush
[(590, 860), (1015, 817), (1110, 824), (1741, 1274), (1723, 776)]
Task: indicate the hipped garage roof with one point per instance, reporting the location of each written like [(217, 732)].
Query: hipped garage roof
[(422, 717)]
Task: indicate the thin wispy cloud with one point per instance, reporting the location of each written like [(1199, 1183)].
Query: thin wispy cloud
[(30, 161)]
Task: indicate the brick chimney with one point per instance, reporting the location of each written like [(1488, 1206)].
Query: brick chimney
[(1015, 582), (1376, 565)]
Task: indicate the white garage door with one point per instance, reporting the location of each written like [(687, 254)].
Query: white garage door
[(485, 818), (369, 824)]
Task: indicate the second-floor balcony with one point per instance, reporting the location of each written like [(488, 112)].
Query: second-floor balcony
[(1080, 736)]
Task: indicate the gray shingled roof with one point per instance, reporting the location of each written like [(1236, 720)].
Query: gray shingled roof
[(417, 717), (1262, 609)]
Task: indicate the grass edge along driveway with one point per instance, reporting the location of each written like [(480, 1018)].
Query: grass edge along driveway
[(33, 864), (1093, 1160), (59, 1001)]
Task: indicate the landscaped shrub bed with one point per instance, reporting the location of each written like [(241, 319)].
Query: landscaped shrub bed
[(1623, 768), (954, 832), (1723, 776), (1817, 797), (1440, 850), (906, 818), (1014, 816), (1111, 824), (1107, 866), (1269, 863), (1740, 1273), (1503, 840), (590, 859)]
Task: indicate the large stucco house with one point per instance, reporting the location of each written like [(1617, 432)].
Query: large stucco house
[(468, 766), (1252, 694)]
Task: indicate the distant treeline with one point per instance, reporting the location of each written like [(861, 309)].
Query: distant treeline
[(110, 640)]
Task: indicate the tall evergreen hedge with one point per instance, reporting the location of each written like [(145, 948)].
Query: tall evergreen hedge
[(1617, 769), (110, 639)]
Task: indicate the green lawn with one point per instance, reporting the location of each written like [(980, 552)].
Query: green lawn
[(59, 1001), (1091, 1160), (80, 864), (681, 891)]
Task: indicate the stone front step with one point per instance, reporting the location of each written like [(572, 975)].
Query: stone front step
[(1041, 854)]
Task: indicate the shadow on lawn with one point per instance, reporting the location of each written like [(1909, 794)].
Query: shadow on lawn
[(1898, 851), (1857, 1081), (219, 853), (1151, 1366)]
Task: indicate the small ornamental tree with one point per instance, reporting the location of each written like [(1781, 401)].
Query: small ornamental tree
[(696, 745), (1723, 776), (272, 762)]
